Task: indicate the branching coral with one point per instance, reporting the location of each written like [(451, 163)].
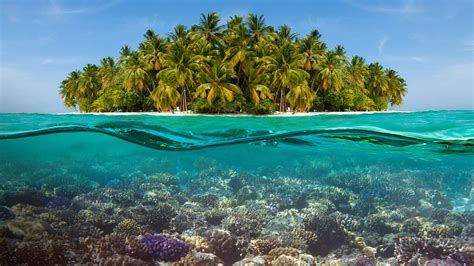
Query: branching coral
[(329, 232), (157, 218), (263, 245), (44, 251), (247, 221), (409, 249), (276, 253), (128, 227), (164, 248), (226, 246), (98, 251)]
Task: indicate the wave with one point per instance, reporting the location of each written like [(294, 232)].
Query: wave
[(162, 138)]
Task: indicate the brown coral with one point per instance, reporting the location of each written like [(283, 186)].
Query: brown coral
[(97, 251), (197, 243), (275, 253), (128, 227), (262, 246), (226, 246)]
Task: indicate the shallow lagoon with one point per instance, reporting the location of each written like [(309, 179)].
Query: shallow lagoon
[(361, 188)]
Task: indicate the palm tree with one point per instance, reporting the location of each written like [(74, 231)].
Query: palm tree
[(238, 54), (89, 84), (125, 53), (312, 52), (70, 89), (152, 51), (340, 51), (108, 72), (357, 71), (315, 33), (216, 83), (180, 65), (284, 35), (135, 75), (376, 81), (396, 86), (208, 28), (256, 88), (180, 33), (330, 76), (234, 23), (301, 97), (166, 97), (285, 70), (257, 28)]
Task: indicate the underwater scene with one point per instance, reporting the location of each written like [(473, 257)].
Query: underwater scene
[(329, 189)]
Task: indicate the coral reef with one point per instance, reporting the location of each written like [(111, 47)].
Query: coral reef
[(59, 203), (226, 246), (164, 248), (410, 249), (269, 216)]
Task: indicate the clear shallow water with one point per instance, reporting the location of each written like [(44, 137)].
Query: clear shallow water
[(416, 153), (93, 146)]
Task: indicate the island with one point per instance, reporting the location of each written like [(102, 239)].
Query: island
[(242, 66)]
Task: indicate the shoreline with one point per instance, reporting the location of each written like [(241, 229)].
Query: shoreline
[(277, 114)]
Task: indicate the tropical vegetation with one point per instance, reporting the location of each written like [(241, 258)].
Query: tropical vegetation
[(243, 65)]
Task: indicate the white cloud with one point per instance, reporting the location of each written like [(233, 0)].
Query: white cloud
[(46, 61), (396, 58), (381, 45), (56, 9), (310, 24), (152, 23), (60, 60), (404, 7)]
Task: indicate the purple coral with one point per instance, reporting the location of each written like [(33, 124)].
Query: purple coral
[(164, 248), (59, 203)]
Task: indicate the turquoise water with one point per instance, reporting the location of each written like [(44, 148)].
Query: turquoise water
[(418, 153), (104, 147)]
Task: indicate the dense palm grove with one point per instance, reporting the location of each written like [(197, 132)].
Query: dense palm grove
[(243, 66)]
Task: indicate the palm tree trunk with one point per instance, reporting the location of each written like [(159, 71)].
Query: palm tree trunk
[(282, 100), (239, 72), (184, 105), (276, 96), (312, 84)]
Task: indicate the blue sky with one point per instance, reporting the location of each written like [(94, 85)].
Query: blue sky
[(430, 43)]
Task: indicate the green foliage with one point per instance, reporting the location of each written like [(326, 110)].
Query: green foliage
[(243, 65), (85, 104), (380, 102), (266, 106), (117, 99), (218, 106)]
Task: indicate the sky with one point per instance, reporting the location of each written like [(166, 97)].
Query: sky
[(430, 43)]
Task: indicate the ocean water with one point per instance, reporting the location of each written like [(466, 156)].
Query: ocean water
[(363, 165)]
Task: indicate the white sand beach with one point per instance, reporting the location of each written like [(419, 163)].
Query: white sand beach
[(189, 113)]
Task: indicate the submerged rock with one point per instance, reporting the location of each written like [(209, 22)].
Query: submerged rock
[(28, 228), (25, 195), (59, 203), (6, 213)]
